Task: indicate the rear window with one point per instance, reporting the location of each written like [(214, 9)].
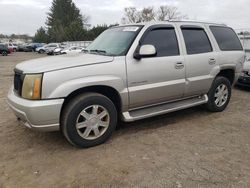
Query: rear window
[(196, 40), (226, 38)]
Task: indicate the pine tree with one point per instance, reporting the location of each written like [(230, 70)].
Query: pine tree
[(41, 36), (65, 22)]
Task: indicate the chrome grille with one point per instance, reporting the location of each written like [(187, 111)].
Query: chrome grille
[(18, 82)]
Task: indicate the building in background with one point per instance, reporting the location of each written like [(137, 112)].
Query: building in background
[(16, 41)]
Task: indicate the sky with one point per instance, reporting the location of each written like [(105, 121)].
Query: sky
[(26, 16)]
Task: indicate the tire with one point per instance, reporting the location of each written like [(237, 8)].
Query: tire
[(219, 94), (91, 106), (41, 51), (4, 53)]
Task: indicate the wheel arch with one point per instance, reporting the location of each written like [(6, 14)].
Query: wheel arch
[(107, 91), (228, 73)]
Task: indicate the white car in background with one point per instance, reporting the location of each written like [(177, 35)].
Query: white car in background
[(58, 51), (72, 49), (49, 48), (41, 50)]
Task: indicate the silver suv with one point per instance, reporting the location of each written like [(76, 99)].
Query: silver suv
[(130, 72)]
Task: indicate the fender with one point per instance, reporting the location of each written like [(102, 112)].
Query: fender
[(66, 88)]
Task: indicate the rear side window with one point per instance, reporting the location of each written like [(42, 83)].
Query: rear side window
[(196, 40), (226, 38), (164, 40)]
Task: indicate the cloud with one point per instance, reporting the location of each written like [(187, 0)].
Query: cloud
[(31, 3), (25, 16)]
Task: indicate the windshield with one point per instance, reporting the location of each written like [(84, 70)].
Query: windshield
[(114, 41)]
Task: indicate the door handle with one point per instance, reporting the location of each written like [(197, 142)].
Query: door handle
[(212, 61), (179, 65)]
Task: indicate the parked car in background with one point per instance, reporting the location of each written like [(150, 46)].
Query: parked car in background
[(72, 49), (13, 46), (244, 79), (4, 50), (48, 48), (51, 47), (57, 51), (34, 46), (10, 48), (130, 72), (21, 47), (28, 48), (42, 49)]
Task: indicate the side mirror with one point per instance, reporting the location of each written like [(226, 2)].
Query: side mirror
[(147, 50)]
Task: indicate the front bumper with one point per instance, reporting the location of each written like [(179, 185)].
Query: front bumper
[(42, 115)]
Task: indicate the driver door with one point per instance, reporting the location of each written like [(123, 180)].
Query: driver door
[(157, 79)]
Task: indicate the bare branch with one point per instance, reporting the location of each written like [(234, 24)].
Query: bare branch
[(164, 12)]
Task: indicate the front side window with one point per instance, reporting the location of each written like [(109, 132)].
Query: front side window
[(226, 38), (196, 40), (164, 40)]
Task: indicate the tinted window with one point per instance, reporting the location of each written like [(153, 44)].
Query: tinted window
[(196, 40), (226, 38), (164, 40)]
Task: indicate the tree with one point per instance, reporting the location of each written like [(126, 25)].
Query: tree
[(95, 31), (131, 15), (164, 12), (169, 13), (41, 36), (147, 14), (65, 22)]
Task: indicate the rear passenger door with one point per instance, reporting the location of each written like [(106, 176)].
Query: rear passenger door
[(200, 59)]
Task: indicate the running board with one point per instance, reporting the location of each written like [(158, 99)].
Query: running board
[(159, 109)]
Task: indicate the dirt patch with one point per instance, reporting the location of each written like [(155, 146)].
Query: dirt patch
[(189, 148)]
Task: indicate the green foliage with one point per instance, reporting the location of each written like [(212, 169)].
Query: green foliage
[(41, 36), (95, 31), (65, 22)]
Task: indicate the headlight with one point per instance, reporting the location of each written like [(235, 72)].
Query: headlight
[(32, 86)]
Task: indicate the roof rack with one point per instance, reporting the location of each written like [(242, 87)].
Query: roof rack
[(195, 21)]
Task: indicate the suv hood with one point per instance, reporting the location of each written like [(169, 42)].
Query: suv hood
[(61, 62)]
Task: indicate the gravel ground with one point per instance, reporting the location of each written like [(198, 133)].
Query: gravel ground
[(189, 148)]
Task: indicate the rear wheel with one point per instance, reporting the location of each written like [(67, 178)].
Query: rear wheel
[(89, 120), (219, 94)]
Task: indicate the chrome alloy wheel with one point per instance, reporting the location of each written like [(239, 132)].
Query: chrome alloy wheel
[(92, 122), (221, 95)]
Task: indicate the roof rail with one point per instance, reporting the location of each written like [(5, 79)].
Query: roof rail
[(195, 21)]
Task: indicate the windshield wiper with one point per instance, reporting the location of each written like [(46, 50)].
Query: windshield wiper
[(98, 51)]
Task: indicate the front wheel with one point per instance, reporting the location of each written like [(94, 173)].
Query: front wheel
[(219, 94), (41, 51), (88, 120)]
